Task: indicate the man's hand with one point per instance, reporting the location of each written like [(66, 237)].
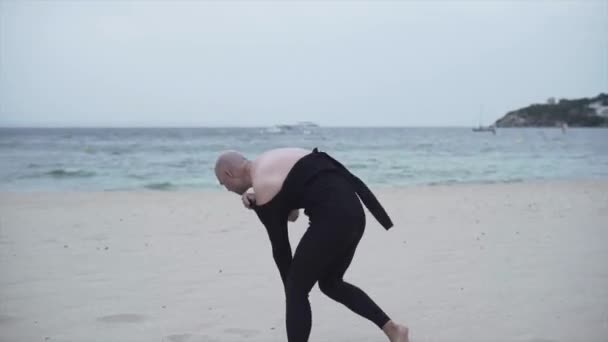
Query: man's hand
[(293, 215), (248, 199)]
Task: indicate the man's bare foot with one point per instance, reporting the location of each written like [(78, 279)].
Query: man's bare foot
[(396, 332)]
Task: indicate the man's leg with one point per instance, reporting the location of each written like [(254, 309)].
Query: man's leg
[(334, 286), (316, 250)]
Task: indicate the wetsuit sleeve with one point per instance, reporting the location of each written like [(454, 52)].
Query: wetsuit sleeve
[(367, 196), (279, 241), (371, 202)]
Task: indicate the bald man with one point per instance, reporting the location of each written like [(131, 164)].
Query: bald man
[(288, 179)]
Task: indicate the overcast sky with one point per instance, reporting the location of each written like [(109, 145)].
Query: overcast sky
[(349, 63)]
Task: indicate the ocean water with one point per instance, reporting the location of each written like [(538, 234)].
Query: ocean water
[(98, 159)]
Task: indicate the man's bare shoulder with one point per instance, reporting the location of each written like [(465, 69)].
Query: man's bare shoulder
[(270, 158), (270, 168), (283, 152)]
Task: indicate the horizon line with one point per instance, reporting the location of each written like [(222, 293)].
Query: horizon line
[(221, 126)]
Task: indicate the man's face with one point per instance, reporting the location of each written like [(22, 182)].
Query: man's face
[(232, 182)]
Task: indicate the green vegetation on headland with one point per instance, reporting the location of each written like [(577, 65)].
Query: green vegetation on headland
[(585, 112)]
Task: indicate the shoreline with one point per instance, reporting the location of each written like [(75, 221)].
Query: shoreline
[(374, 187)]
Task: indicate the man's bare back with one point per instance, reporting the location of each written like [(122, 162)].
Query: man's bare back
[(269, 170)]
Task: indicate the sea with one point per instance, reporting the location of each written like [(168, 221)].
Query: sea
[(171, 159)]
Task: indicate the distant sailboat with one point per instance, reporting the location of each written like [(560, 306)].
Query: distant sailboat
[(485, 129), (481, 128)]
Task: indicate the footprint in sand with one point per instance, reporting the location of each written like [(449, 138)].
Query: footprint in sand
[(5, 319), (122, 318), (189, 338), (97, 237), (241, 332), (178, 337)]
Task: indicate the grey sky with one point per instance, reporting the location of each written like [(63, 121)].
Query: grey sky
[(405, 63)]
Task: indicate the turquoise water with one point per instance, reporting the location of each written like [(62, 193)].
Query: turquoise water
[(182, 158)]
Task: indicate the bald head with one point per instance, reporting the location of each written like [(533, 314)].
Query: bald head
[(229, 161), (231, 171)]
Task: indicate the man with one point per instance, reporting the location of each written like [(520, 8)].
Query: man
[(288, 179)]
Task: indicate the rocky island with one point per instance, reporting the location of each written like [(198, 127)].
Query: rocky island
[(585, 112)]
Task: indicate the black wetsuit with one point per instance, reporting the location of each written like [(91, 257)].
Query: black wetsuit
[(328, 193)]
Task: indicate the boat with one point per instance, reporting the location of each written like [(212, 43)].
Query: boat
[(273, 129), (303, 127), (480, 128), (306, 124)]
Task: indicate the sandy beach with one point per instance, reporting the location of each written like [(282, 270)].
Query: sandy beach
[(505, 262)]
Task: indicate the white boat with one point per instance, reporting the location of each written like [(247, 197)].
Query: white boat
[(273, 129), (303, 127), (307, 124)]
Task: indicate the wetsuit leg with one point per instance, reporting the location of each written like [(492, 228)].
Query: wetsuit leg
[(314, 254), (334, 286)]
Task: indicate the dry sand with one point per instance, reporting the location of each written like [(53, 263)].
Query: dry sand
[(512, 262)]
